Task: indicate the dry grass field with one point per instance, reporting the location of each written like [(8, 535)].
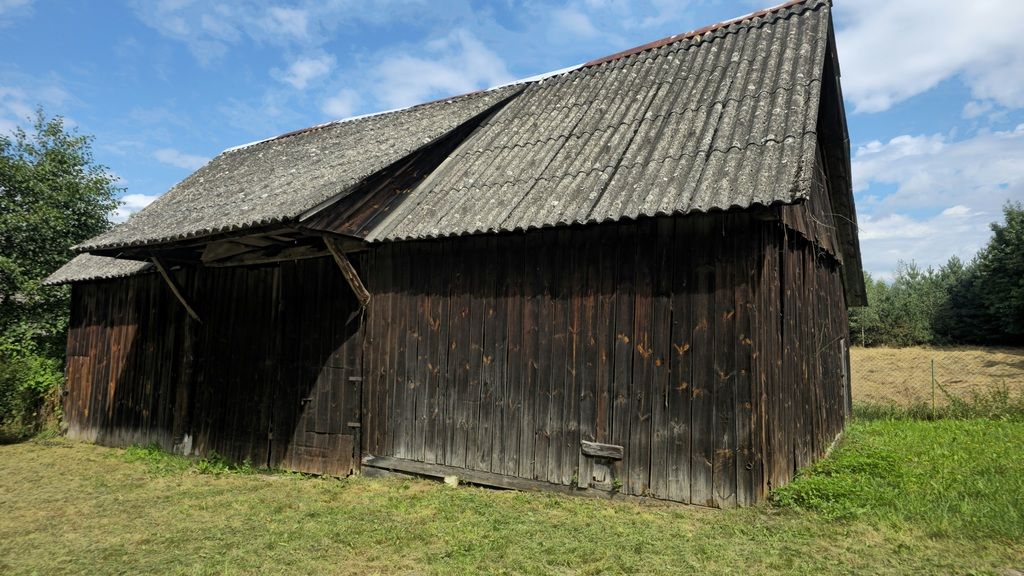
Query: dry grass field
[(902, 376)]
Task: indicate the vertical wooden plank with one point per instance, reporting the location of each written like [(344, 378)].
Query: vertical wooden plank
[(561, 285), (762, 335), (789, 385), (545, 314), (702, 447), (587, 343), (445, 315), (370, 353), (533, 292), (574, 276), (679, 417), (420, 289), (460, 352), (477, 282), (389, 344), (490, 334), (812, 352), (458, 366), (800, 404), (516, 393), (409, 347), (748, 462), (498, 343), (725, 364), (639, 447), (775, 286), (398, 418), (437, 326), (661, 351), (605, 332), (622, 358), (323, 328)]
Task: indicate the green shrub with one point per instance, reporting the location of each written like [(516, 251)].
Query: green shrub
[(30, 383)]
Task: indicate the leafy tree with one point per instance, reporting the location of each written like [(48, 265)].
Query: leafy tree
[(980, 302), (865, 323), (962, 317), (52, 196), (1000, 274)]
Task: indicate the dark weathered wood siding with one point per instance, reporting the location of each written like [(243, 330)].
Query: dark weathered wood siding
[(708, 347), (272, 374)]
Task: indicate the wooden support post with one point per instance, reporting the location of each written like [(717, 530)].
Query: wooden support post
[(174, 288), (348, 271)]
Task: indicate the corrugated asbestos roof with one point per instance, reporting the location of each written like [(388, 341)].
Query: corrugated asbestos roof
[(277, 180), (721, 118), (715, 121), (86, 267)]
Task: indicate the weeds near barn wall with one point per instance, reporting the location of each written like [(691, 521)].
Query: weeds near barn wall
[(30, 385), (162, 463)]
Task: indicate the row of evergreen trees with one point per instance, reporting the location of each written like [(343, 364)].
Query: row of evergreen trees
[(979, 302)]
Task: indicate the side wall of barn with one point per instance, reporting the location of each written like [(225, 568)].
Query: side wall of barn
[(504, 354), (708, 348), (270, 375), (808, 394), (807, 384), (126, 330)]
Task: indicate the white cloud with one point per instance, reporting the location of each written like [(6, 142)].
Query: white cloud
[(305, 70), (893, 226), (938, 195), (9, 9), (292, 22), (130, 204), (455, 64), (177, 159), (219, 25), (929, 241), (342, 105), (11, 5), (210, 29), (958, 210), (890, 51), (574, 22), (975, 108), (18, 104)]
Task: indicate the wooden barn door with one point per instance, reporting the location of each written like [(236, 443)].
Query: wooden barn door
[(316, 420)]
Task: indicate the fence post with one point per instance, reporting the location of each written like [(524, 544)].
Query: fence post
[(933, 388)]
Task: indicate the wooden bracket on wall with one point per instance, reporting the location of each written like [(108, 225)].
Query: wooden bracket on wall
[(174, 288), (348, 271)]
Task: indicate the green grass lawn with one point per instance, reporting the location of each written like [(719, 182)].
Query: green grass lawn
[(896, 497)]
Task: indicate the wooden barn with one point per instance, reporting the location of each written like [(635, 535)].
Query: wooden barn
[(631, 277)]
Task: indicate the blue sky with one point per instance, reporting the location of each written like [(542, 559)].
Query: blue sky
[(934, 88)]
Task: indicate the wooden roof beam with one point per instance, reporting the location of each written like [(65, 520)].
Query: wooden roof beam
[(175, 289), (348, 271)]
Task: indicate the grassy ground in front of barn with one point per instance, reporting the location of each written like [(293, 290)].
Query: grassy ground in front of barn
[(896, 497), (910, 489)]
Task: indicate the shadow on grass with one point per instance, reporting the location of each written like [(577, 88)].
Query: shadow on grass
[(7, 437)]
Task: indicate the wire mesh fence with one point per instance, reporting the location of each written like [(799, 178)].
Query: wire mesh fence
[(935, 376)]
